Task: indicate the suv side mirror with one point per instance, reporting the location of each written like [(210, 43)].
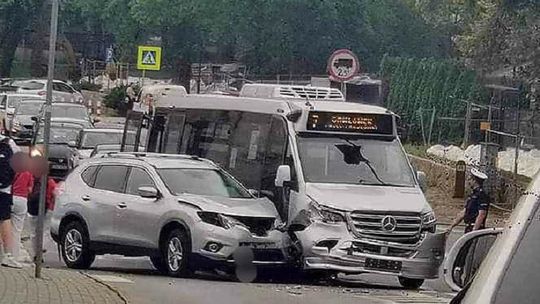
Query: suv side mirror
[(283, 175), (148, 192), (422, 180), (466, 255)]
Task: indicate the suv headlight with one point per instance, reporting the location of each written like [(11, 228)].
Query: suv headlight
[(325, 214), (428, 219)]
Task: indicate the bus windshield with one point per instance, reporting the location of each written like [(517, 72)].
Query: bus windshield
[(350, 160)]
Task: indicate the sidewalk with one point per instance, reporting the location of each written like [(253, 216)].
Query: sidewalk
[(57, 286)]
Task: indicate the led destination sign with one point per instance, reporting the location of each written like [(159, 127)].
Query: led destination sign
[(350, 122)]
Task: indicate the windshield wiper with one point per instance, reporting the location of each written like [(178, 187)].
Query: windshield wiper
[(352, 154)]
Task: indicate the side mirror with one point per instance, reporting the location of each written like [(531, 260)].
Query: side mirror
[(72, 144), (466, 256), (148, 192), (34, 118), (254, 192), (422, 180), (283, 175)]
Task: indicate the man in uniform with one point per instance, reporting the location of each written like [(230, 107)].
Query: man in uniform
[(476, 206)]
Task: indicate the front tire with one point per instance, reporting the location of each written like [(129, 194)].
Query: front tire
[(159, 264), (175, 251), (75, 246), (408, 283)]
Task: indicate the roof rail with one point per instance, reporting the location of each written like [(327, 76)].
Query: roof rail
[(152, 155)]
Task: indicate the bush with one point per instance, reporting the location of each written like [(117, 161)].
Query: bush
[(87, 86), (116, 98)]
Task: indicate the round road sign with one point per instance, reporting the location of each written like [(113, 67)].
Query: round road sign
[(343, 65)]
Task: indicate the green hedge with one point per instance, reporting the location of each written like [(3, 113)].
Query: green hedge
[(430, 84)]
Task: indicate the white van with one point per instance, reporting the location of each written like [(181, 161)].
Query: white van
[(290, 92), (336, 172), (499, 266), (158, 91)]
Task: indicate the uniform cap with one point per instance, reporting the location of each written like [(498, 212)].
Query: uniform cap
[(479, 174)]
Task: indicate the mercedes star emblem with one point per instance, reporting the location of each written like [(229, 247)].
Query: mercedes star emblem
[(388, 223)]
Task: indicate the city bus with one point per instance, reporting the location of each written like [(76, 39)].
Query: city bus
[(336, 172)]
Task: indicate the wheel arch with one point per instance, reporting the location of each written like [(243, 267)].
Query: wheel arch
[(171, 225), (72, 217)]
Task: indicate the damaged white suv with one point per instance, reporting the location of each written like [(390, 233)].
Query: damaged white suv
[(178, 210)]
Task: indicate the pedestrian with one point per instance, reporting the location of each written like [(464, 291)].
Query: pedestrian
[(131, 96), (7, 174), (21, 188), (150, 103), (476, 205), (39, 168)]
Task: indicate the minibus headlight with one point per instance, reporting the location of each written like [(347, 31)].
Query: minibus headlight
[(325, 214)]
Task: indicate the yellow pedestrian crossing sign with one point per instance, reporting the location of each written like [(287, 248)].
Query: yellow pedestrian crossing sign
[(149, 58)]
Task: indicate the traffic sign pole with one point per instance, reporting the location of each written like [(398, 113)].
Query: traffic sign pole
[(46, 134)]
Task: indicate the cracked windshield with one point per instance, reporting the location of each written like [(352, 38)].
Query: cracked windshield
[(302, 151)]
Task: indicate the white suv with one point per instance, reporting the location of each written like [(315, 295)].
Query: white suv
[(183, 212), (62, 92)]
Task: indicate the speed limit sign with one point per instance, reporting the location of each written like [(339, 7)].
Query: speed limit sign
[(343, 65)]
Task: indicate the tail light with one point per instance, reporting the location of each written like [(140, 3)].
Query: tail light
[(42, 93)]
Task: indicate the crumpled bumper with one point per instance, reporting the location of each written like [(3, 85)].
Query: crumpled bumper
[(265, 250), (333, 247)]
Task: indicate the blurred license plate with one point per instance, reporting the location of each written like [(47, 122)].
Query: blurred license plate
[(59, 167), (376, 264)]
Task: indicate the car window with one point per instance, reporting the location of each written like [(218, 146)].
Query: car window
[(76, 112), (92, 139), (28, 108), (138, 178), (64, 88), (29, 85), (88, 175), (111, 178), (521, 279)]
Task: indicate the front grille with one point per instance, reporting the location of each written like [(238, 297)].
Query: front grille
[(259, 226), (369, 225)]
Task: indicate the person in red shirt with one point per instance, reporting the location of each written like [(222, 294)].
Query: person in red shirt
[(39, 168), (21, 187)]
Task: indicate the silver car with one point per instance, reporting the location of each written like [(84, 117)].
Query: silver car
[(181, 211)]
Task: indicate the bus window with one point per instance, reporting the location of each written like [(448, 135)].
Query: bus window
[(155, 139), (175, 125)]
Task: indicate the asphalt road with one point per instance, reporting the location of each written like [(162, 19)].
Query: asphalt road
[(140, 283)]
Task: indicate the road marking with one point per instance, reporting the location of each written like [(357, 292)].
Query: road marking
[(110, 279)]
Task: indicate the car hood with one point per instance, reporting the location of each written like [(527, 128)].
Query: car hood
[(61, 151), (255, 207), (368, 198)]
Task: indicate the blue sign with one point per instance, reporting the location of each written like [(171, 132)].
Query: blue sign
[(109, 53)]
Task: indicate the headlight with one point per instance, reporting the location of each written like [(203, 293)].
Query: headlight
[(325, 214), (428, 218), (35, 152), (220, 220)]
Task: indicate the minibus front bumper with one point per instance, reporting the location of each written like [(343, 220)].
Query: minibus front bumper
[(334, 248)]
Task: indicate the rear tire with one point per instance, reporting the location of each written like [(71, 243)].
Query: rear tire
[(175, 252), (408, 283), (75, 246)]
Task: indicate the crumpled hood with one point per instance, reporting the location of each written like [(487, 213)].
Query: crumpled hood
[(368, 198), (256, 207)]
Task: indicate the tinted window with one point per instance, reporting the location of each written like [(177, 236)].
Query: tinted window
[(138, 178), (59, 134), (88, 175), (216, 183), (111, 178), (520, 282), (29, 108), (76, 112), (92, 139)]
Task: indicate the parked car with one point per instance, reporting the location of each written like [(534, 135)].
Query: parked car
[(138, 204), (499, 266), (8, 103), (73, 113), (21, 125), (90, 138), (62, 92), (63, 156)]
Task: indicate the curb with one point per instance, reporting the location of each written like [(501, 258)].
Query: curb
[(109, 286)]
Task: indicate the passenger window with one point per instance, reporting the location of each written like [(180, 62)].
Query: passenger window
[(138, 178), (521, 279), (88, 175), (111, 178), (175, 126)]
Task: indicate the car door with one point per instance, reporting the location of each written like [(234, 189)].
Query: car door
[(139, 217), (61, 92), (106, 197)]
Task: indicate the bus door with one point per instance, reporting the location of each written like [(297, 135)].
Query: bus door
[(173, 133), (132, 132)]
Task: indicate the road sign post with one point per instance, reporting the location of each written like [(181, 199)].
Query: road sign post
[(343, 65)]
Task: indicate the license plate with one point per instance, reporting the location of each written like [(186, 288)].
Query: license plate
[(59, 167), (386, 265)]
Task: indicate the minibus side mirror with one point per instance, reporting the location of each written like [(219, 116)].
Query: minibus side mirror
[(283, 175), (422, 180), (466, 255)]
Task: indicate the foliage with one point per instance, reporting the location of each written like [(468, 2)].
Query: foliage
[(116, 98), (419, 86), (87, 86)]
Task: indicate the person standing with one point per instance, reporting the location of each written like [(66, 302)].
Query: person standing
[(22, 186), (476, 205), (130, 93), (7, 174)]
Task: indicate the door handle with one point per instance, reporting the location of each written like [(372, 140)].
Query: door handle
[(85, 197), (121, 206)]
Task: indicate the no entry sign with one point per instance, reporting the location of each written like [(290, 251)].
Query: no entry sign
[(343, 65)]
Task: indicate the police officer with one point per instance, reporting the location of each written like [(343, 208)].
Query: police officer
[(476, 206)]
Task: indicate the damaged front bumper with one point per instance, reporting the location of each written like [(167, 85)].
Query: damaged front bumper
[(217, 245), (332, 247)]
